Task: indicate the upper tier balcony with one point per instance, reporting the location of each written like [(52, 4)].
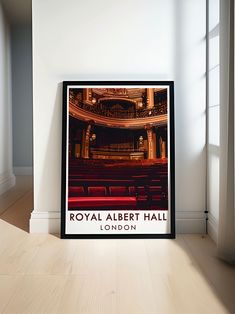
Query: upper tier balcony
[(127, 118)]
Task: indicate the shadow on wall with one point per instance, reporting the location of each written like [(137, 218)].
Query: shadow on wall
[(50, 199), (190, 107), (5, 107)]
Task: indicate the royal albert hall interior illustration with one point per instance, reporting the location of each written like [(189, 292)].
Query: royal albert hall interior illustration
[(118, 148)]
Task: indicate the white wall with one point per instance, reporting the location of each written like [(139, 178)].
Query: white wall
[(119, 40), (7, 179), (190, 115), (22, 99), (213, 147)]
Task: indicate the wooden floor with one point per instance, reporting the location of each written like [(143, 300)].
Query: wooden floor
[(43, 274)]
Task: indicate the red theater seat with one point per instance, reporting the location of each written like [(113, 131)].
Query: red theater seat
[(100, 201), (112, 184), (132, 191), (76, 191), (118, 190), (156, 198), (141, 190), (155, 189), (96, 191)]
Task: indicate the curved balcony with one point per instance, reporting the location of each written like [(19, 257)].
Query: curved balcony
[(130, 118)]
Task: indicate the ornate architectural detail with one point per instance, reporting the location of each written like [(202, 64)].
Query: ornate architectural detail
[(149, 130), (120, 92), (119, 107), (87, 142), (121, 113)]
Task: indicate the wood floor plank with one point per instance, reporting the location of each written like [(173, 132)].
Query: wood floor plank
[(44, 274), (8, 286), (134, 283), (37, 294), (95, 294), (55, 256), (17, 252), (22, 186), (218, 273), (94, 256), (19, 213)]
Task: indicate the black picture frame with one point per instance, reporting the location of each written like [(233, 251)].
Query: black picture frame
[(64, 165)]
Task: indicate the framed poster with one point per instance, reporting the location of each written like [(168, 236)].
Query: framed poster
[(118, 160)]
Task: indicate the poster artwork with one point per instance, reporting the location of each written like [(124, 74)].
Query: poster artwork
[(118, 160)]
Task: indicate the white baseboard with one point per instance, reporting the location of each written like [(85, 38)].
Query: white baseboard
[(7, 181), (45, 222), (23, 171), (49, 222), (212, 227), (190, 222)]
